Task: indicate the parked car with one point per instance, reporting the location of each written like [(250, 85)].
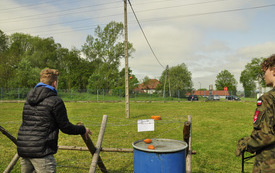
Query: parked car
[(193, 98), (232, 97), (213, 97)]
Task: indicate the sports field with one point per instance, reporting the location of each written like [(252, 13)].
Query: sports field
[(216, 128)]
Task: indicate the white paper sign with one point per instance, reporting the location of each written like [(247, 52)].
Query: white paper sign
[(146, 125)]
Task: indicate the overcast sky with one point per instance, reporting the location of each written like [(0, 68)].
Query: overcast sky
[(209, 36)]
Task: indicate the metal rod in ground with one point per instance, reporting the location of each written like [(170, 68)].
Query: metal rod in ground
[(89, 143), (98, 144), (12, 163), (189, 155)]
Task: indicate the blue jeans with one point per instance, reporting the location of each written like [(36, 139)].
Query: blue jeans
[(46, 164)]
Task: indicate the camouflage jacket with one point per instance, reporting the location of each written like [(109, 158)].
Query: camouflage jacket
[(263, 134)]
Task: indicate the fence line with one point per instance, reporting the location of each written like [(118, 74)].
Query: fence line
[(159, 132), (118, 94)]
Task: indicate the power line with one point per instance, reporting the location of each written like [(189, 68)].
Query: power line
[(37, 16), (58, 23), (27, 5), (214, 12), (196, 3), (17, 19), (56, 12), (145, 35), (151, 20)]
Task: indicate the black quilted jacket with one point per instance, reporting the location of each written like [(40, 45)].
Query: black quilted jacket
[(44, 114)]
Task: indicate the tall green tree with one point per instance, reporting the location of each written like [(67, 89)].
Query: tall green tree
[(24, 56), (3, 42), (105, 50), (251, 74), (145, 80), (18, 44), (179, 77), (3, 59), (75, 70), (226, 79), (133, 81)]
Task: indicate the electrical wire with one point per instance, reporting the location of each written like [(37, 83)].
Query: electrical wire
[(52, 14), (152, 20), (214, 12), (38, 16), (148, 20), (27, 5), (145, 36)]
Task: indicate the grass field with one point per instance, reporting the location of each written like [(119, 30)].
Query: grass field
[(216, 128)]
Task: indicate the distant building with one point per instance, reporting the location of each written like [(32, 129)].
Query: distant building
[(206, 93), (148, 87)]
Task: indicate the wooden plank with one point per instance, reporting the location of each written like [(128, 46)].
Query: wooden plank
[(16, 157), (12, 163), (89, 143), (77, 148), (98, 144), (6, 133)]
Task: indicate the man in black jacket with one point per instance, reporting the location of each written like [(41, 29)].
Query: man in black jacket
[(44, 114)]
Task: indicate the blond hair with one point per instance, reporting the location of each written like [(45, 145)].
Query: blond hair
[(48, 76)]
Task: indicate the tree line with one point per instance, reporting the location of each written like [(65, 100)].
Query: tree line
[(96, 64)]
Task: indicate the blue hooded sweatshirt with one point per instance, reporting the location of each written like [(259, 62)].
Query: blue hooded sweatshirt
[(40, 84)]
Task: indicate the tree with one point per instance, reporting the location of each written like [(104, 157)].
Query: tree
[(17, 45), (180, 79), (250, 74), (24, 56), (226, 79), (145, 80), (3, 59), (27, 76), (105, 51), (3, 42), (133, 82)]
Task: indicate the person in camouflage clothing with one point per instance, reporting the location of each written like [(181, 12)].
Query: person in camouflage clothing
[(262, 139)]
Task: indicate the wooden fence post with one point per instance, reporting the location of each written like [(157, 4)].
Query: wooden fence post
[(189, 155), (12, 163), (6, 133), (16, 157), (98, 145), (186, 133), (90, 145)]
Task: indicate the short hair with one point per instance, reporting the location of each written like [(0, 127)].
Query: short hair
[(48, 76), (268, 62)]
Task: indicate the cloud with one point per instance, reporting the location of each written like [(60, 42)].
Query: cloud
[(216, 46), (208, 36), (257, 51)]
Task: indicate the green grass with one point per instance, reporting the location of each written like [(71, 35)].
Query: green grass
[(217, 126)]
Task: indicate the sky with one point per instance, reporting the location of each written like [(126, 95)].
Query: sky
[(209, 36)]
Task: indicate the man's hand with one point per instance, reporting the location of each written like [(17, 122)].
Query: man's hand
[(88, 132), (241, 146)]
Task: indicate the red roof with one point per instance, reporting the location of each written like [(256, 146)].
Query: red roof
[(150, 84), (202, 93)]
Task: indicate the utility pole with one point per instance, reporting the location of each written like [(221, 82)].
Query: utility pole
[(169, 81), (127, 106), (167, 76), (164, 83)]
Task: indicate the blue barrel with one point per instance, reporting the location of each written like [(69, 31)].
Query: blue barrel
[(167, 157)]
